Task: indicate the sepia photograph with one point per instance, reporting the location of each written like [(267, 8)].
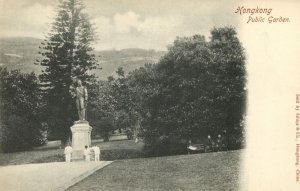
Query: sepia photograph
[(149, 95)]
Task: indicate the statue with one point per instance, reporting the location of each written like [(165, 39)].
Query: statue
[(81, 130), (81, 100)]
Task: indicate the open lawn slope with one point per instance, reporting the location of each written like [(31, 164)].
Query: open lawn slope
[(209, 171)]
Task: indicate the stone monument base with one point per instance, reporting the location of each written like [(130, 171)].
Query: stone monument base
[(81, 137)]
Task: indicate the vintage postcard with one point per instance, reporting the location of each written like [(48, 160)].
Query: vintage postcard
[(150, 95)]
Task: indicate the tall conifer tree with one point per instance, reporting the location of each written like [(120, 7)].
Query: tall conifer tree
[(67, 55)]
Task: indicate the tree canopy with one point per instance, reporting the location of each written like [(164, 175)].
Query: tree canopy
[(20, 106), (196, 89)]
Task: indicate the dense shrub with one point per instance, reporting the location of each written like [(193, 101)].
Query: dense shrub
[(117, 154), (20, 108)]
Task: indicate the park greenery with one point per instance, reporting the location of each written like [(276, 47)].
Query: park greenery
[(197, 88), (20, 107)]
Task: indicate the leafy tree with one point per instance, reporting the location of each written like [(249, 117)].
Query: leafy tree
[(101, 107), (197, 88), (110, 102), (124, 113), (67, 55), (20, 108), (230, 59)]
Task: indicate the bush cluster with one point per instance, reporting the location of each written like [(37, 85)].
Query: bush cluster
[(20, 108)]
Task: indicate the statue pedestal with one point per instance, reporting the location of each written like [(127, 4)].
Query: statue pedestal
[(81, 137)]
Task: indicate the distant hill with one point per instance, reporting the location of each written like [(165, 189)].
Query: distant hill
[(22, 52)]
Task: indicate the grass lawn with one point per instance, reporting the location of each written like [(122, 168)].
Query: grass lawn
[(112, 150), (208, 171), (26, 157)]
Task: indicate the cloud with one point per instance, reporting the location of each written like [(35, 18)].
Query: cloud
[(38, 15), (32, 21), (124, 22), (103, 27), (125, 30), (157, 25), (29, 3)]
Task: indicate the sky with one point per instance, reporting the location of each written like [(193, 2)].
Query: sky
[(122, 23)]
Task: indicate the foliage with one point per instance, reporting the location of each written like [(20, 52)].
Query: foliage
[(101, 108), (125, 114), (67, 56), (20, 108), (116, 154), (197, 88), (112, 100)]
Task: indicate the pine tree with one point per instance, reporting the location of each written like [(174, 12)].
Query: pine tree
[(67, 55)]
